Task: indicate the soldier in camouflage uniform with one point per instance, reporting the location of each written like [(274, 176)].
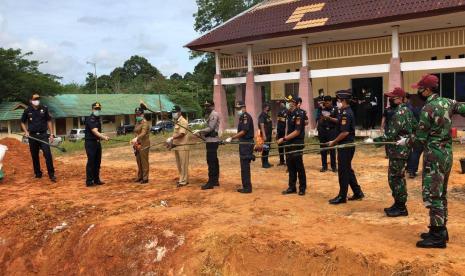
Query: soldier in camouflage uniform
[(434, 135), (402, 124)]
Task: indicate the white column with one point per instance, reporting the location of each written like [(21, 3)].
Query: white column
[(9, 127), (395, 42), (249, 59), (304, 52), (217, 62)]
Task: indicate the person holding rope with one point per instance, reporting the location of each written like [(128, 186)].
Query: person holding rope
[(181, 150), (327, 121), (295, 136), (281, 131), (93, 135), (402, 123), (245, 134), (434, 134), (211, 139), (35, 122), (141, 144), (266, 128), (346, 130)]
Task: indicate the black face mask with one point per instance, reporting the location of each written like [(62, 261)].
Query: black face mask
[(392, 103), (419, 93)]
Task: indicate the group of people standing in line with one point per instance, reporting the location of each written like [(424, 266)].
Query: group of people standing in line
[(427, 131)]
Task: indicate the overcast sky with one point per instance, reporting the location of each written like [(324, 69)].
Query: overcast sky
[(67, 33)]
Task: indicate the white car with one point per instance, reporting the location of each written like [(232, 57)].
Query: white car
[(197, 123), (76, 134)]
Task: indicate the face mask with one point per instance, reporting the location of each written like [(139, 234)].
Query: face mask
[(175, 115), (339, 105), (35, 102), (240, 112), (420, 94), (139, 119), (288, 105), (393, 103), (96, 113)]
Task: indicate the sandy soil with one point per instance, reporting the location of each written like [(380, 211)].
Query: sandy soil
[(122, 228)]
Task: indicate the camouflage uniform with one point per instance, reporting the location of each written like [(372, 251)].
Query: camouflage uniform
[(434, 135), (401, 124)]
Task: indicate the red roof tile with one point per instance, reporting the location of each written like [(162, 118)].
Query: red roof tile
[(307, 16)]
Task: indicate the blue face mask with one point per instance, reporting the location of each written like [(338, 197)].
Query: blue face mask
[(240, 112), (96, 113)]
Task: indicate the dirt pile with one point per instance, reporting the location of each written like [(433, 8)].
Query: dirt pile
[(122, 228)]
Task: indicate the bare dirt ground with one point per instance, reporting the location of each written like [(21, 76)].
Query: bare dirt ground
[(122, 228)]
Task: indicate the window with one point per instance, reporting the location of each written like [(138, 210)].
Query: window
[(447, 57), (291, 89), (75, 122), (447, 85), (462, 56), (434, 58), (460, 86), (108, 119)]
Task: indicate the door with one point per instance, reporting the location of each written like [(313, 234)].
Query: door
[(375, 87), (60, 125)]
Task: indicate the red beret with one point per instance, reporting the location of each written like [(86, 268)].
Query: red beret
[(427, 81)]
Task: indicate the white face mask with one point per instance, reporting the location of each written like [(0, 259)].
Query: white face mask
[(339, 105), (288, 105), (240, 112), (35, 102), (175, 115)]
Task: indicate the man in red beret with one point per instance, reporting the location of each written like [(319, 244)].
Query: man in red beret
[(401, 124), (434, 134)]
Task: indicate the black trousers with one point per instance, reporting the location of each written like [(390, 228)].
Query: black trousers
[(35, 147), (265, 152), (246, 155), (295, 166), (94, 159), (281, 150), (325, 136), (213, 163), (346, 173)]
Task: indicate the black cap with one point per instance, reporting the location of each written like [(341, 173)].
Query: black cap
[(97, 106), (327, 98), (265, 105), (298, 100), (176, 108), (139, 110), (209, 103), (344, 94), (240, 104)]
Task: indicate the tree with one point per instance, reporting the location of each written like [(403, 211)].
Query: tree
[(20, 77), (176, 77)]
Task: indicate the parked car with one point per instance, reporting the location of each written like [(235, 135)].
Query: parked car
[(197, 123), (162, 126), (56, 141), (125, 129), (76, 134)]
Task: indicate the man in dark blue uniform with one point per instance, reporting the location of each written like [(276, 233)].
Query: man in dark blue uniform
[(327, 122), (245, 134), (346, 130), (266, 128), (93, 147), (294, 138), (35, 122), (281, 130)]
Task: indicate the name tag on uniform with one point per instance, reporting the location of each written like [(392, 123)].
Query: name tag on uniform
[(344, 122)]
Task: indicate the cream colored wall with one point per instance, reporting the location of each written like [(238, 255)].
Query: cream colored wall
[(332, 84), (414, 76)]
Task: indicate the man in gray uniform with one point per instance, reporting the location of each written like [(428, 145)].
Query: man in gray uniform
[(210, 135)]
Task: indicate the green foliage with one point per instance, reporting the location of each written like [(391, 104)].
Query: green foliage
[(20, 77)]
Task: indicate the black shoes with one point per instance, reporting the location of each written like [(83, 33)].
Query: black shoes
[(281, 164), (289, 191), (137, 180), (53, 179), (428, 234), (338, 200), (38, 176), (390, 208), (99, 182), (244, 191), (436, 238), (323, 170), (301, 193), (209, 186), (144, 181), (334, 170), (398, 210), (267, 166), (412, 175), (89, 184), (359, 196)]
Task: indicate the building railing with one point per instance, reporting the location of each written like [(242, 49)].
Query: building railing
[(431, 40), (410, 42)]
